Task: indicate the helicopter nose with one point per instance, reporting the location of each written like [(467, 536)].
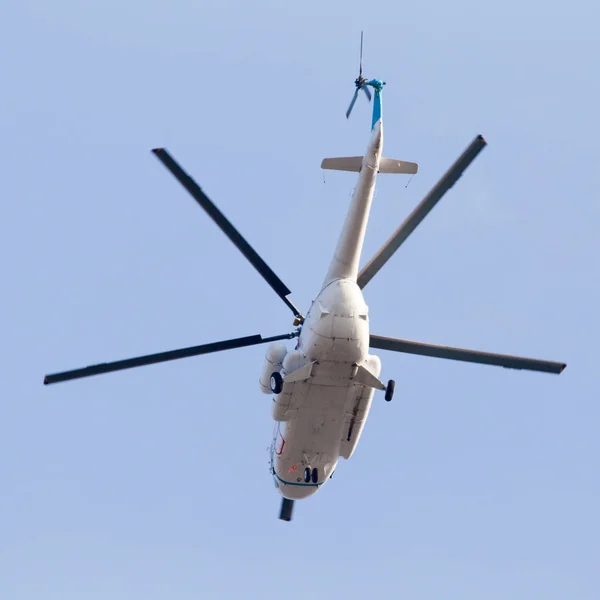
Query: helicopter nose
[(297, 492)]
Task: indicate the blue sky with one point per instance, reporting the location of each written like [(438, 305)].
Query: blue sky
[(475, 482)]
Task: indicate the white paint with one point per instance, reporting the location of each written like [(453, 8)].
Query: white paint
[(321, 418), (347, 254)]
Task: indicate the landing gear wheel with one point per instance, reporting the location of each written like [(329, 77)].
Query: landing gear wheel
[(307, 475), (389, 391), (315, 475), (276, 382)]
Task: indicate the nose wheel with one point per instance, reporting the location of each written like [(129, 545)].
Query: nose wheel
[(389, 390)]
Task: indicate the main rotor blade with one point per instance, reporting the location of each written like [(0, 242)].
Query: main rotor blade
[(230, 231), (352, 103), (472, 356), (412, 221), (287, 508), (367, 91), (151, 359)]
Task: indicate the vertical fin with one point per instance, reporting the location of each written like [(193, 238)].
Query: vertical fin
[(377, 85), (376, 109)]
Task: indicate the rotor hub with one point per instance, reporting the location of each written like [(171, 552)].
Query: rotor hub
[(376, 84)]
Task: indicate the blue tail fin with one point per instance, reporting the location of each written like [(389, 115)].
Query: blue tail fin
[(377, 85)]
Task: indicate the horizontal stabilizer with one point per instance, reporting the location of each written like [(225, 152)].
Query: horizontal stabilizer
[(345, 163), (391, 165), (354, 163)]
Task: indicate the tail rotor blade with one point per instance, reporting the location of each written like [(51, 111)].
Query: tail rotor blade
[(160, 357), (352, 103), (228, 229), (361, 56)]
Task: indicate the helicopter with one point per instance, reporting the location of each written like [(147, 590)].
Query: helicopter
[(322, 388)]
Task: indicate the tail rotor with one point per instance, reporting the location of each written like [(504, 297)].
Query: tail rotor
[(360, 82)]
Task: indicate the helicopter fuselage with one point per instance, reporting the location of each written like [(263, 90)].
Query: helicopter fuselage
[(322, 407), (320, 419)]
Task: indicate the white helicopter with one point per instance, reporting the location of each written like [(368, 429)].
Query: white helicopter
[(323, 388)]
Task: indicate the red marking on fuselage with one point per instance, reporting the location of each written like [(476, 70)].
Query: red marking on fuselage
[(282, 445)]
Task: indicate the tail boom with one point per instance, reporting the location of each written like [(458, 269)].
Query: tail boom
[(344, 264)]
